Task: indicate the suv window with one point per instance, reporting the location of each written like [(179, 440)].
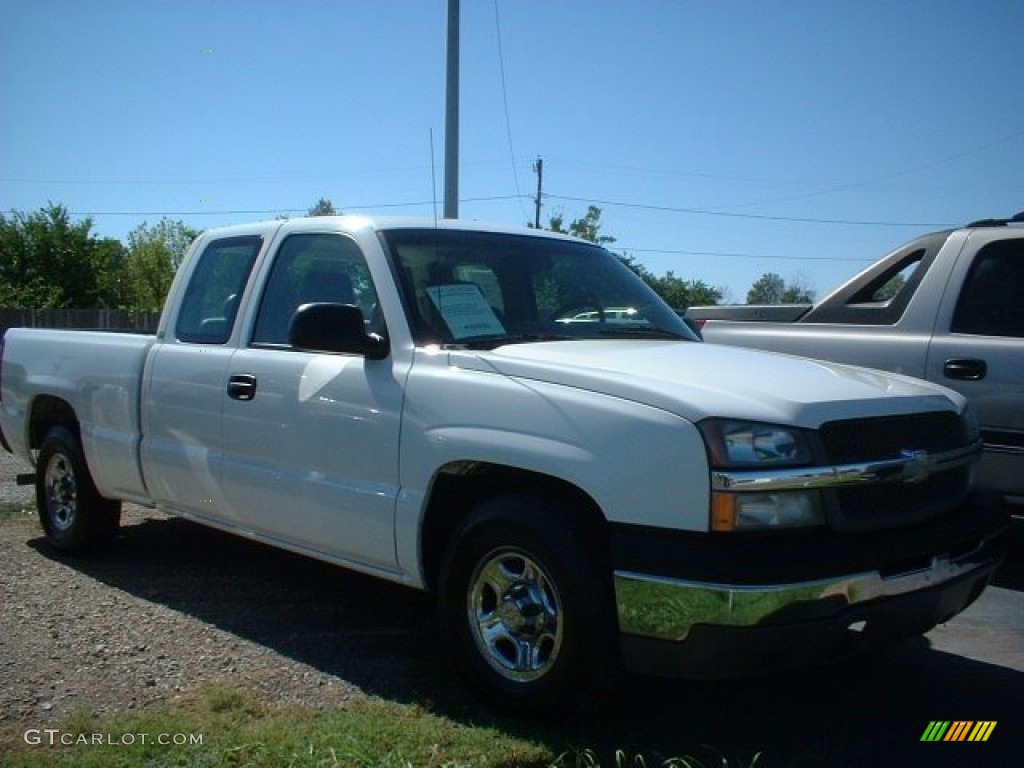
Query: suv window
[(882, 294), (210, 305), (891, 283), (313, 268), (992, 300)]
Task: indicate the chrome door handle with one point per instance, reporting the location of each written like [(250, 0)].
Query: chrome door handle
[(242, 386), (965, 369)]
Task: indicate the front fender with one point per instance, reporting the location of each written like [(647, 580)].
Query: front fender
[(642, 465)]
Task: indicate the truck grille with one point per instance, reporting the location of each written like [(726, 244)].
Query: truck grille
[(884, 438), (874, 507)]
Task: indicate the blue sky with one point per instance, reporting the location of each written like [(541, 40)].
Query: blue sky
[(721, 139)]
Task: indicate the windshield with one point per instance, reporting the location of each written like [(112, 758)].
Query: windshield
[(485, 289)]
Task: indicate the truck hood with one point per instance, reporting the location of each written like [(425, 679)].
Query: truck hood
[(697, 381)]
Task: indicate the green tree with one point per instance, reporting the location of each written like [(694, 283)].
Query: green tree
[(153, 256), (890, 289), (109, 263), (682, 294), (767, 289), (678, 293), (323, 207), (588, 227), (48, 262), (770, 288)]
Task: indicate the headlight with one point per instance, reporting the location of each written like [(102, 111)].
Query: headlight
[(734, 444), (765, 511), (742, 449)]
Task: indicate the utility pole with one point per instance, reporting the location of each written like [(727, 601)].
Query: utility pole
[(538, 168), (451, 123)]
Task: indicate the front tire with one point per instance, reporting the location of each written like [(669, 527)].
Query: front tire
[(75, 518), (525, 607)]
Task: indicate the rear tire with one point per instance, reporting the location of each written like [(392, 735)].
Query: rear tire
[(75, 518), (525, 604)]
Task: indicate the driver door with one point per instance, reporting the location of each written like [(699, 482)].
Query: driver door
[(311, 439)]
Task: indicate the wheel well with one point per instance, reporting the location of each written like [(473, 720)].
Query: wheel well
[(49, 411), (459, 488)]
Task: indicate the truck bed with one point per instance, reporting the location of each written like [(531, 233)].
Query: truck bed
[(773, 313), (98, 373)]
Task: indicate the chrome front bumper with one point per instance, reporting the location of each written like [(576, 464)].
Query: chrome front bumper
[(668, 609), (717, 606)]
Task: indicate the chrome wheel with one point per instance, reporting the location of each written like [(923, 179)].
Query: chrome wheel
[(515, 614), (75, 517), (61, 492)]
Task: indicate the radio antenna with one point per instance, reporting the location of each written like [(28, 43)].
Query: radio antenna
[(433, 177)]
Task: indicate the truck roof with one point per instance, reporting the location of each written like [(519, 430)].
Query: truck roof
[(356, 222)]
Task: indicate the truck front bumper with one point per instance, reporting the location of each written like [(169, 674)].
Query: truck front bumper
[(722, 605)]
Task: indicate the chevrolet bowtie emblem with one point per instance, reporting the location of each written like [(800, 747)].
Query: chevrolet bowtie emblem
[(917, 468)]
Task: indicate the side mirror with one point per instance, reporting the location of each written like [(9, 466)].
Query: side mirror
[(335, 328)]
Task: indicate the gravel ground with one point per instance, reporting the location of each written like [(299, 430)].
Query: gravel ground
[(175, 604)]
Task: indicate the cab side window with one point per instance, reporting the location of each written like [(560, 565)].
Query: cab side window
[(210, 306), (992, 300), (308, 269)]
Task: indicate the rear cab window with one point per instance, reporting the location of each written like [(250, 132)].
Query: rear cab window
[(210, 306)]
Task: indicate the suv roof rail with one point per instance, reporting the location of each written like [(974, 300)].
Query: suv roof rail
[(1015, 219)]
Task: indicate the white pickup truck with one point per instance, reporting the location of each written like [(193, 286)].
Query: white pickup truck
[(514, 421)]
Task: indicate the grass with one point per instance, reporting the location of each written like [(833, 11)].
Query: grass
[(237, 729)]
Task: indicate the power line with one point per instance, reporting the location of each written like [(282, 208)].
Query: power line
[(495, 198), (520, 197), (893, 174), (188, 213), (274, 211), (733, 215), (677, 252), (827, 187), (218, 178), (504, 98)]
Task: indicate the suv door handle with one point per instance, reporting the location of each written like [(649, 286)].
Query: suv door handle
[(242, 386), (966, 369)]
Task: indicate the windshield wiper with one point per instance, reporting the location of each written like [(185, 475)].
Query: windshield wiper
[(643, 333), (493, 342)]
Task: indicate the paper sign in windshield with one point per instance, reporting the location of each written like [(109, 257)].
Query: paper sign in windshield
[(465, 310)]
